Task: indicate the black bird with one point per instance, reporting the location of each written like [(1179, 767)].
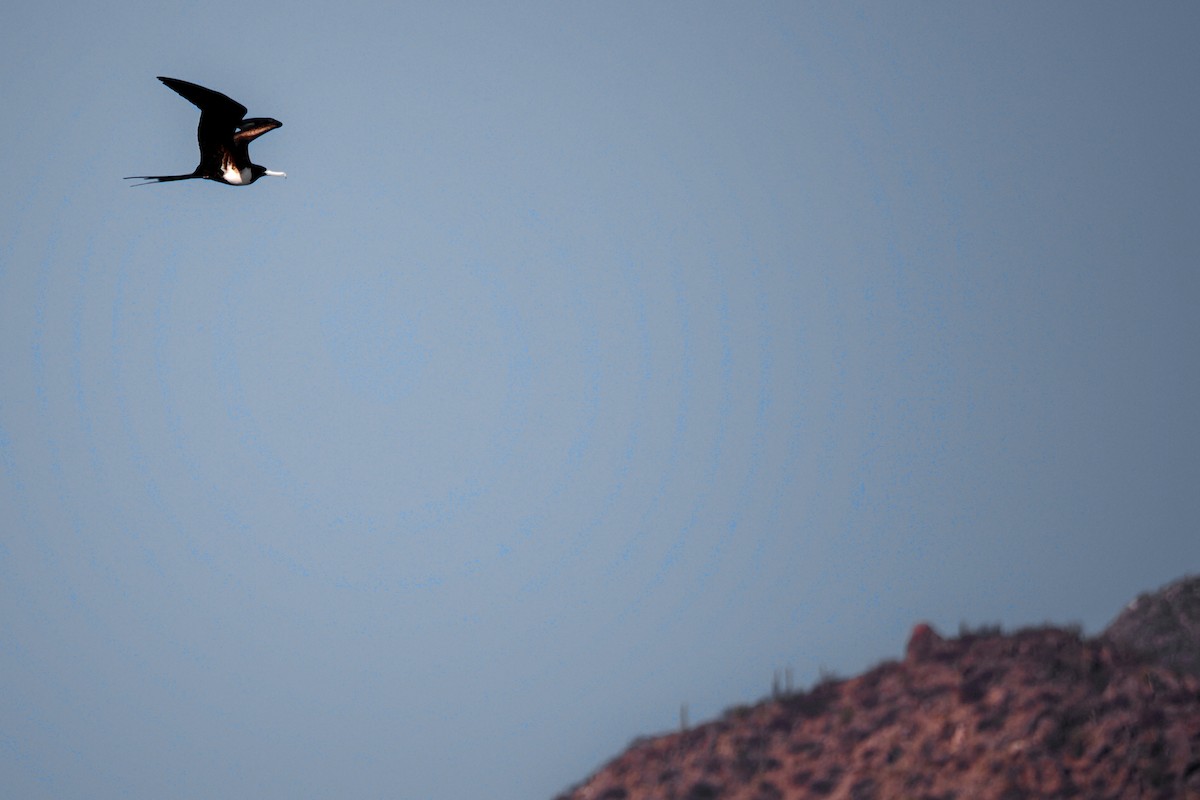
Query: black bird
[(224, 136)]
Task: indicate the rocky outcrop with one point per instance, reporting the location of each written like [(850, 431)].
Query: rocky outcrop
[(1163, 625), (1039, 713)]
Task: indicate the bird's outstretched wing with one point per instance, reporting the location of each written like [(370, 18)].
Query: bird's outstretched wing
[(219, 119), (209, 102), (251, 129)]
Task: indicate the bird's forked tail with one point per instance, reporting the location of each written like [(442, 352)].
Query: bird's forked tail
[(157, 178)]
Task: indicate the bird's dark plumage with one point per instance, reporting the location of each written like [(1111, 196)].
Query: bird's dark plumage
[(224, 136)]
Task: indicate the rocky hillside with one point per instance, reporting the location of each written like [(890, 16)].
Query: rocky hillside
[(1040, 713), (1164, 626)]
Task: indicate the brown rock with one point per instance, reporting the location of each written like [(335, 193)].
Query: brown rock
[(921, 642)]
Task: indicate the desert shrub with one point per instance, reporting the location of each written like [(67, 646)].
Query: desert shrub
[(814, 702), (769, 791), (703, 790)]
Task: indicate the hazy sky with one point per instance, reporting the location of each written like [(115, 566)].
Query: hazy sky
[(592, 359)]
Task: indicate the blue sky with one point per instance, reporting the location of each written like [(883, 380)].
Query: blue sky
[(592, 360)]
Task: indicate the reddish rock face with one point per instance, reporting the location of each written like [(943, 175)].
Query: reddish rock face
[(921, 642), (1040, 713)]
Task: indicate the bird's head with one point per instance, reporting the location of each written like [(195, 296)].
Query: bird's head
[(260, 172)]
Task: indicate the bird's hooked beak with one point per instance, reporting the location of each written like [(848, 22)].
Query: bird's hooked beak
[(275, 174)]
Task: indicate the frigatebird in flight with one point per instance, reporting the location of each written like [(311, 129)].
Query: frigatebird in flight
[(224, 136)]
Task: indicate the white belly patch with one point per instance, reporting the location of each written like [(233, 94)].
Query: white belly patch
[(233, 175)]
